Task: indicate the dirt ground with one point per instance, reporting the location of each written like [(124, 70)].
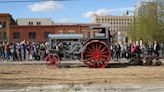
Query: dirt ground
[(19, 76)]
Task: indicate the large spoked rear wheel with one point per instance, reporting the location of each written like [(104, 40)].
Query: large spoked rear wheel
[(96, 54), (52, 61)]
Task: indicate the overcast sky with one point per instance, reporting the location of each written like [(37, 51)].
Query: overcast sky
[(75, 11)]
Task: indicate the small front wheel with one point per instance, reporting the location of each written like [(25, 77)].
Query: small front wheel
[(52, 61)]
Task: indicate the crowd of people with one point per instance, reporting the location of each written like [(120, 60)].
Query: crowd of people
[(119, 50), (30, 51), (23, 51)]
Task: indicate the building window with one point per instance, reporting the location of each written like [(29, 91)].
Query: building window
[(85, 34), (3, 35), (71, 32), (32, 35), (30, 23), (61, 32), (46, 35), (2, 25), (16, 35), (38, 23)]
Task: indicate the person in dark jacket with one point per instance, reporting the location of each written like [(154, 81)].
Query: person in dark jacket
[(118, 49), (150, 48), (156, 48)]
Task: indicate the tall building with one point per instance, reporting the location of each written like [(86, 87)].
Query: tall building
[(34, 21), (118, 25), (145, 6)]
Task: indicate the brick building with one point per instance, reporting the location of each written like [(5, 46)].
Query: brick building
[(40, 33), (5, 21)]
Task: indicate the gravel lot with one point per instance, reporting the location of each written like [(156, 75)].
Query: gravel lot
[(37, 78)]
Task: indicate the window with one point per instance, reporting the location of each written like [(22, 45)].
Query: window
[(85, 34), (71, 32), (46, 35), (30, 23), (38, 23), (32, 35), (3, 35), (16, 35), (61, 31), (2, 25)]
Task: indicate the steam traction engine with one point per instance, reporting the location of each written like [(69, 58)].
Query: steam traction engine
[(94, 52)]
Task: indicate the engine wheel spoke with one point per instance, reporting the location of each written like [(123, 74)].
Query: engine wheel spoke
[(103, 49), (99, 47), (93, 47), (102, 59), (96, 47), (104, 53), (105, 56), (90, 53), (89, 49)]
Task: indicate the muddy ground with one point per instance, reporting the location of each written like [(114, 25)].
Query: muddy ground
[(20, 76)]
